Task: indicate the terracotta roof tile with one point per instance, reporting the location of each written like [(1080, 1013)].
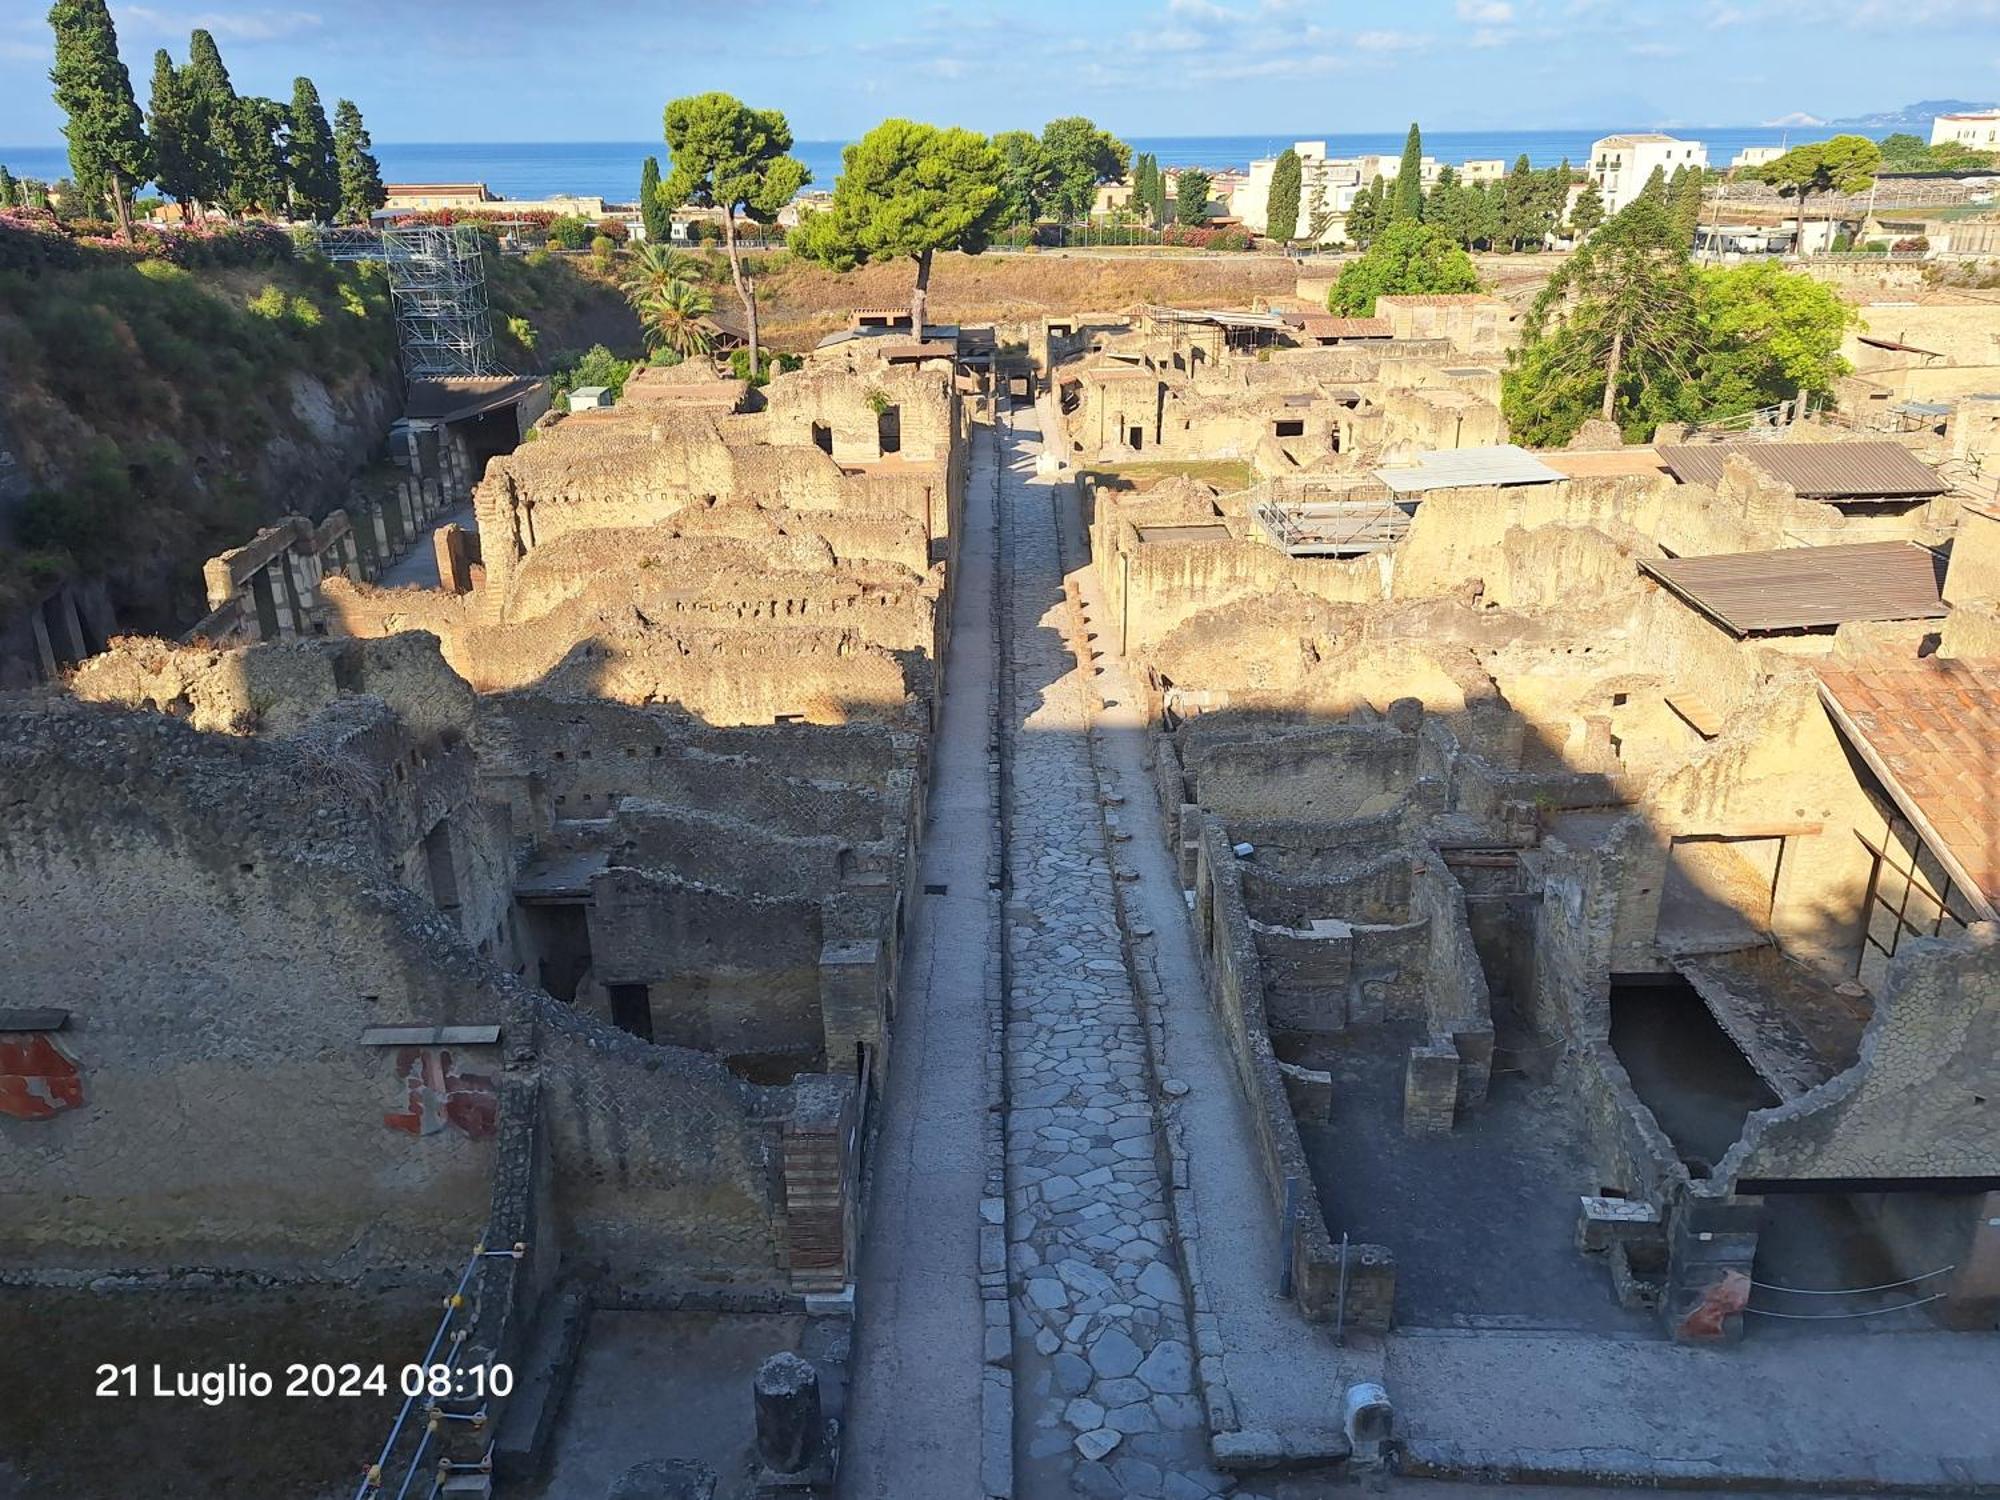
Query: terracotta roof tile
[(1931, 731)]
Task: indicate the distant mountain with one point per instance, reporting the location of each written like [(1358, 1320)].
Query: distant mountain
[(1916, 116), (1796, 119)]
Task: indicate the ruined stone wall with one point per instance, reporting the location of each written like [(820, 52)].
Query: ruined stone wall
[(1236, 990), (725, 972), (218, 981), (1915, 1104), (1779, 769), (591, 755), (215, 918), (1322, 774)]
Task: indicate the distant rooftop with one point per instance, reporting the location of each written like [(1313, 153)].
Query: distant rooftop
[(1817, 471), (1454, 468), (1808, 588)]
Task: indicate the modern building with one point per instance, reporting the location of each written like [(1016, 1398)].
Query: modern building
[(1622, 163), (1755, 156), (1979, 129)]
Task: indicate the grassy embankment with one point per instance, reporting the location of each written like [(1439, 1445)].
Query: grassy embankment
[(144, 400)]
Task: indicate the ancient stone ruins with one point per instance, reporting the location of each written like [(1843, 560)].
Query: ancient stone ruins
[(1132, 905)]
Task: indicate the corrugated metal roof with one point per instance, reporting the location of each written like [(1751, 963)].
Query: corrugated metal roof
[(1454, 468), (1808, 588), (1817, 471)]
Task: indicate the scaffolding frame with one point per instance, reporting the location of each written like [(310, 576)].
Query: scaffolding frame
[(437, 285)]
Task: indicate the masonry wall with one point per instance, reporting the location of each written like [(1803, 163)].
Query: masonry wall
[(1917, 1101)]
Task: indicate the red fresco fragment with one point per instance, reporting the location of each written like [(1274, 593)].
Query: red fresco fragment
[(440, 1095), (37, 1078), (1721, 1301)]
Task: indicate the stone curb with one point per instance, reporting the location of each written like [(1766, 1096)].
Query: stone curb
[(1171, 1158), (1793, 1473)]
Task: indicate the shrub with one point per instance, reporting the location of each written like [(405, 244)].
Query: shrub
[(569, 233)]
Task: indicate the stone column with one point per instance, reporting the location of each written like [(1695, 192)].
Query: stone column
[(790, 1430), (850, 1000), (1430, 1089)]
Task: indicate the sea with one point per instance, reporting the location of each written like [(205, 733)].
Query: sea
[(610, 169)]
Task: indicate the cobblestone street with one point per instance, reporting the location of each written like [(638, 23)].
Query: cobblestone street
[(1104, 1370)]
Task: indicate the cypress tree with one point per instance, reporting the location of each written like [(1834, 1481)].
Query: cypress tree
[(659, 223), (1408, 202), (1655, 190), (178, 148), (1281, 213), (1684, 200), (263, 178), (228, 147), (7, 188), (361, 191), (314, 178), (1589, 210), (1364, 215), (106, 133)]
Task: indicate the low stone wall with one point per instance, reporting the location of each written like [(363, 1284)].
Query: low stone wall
[(1236, 984)]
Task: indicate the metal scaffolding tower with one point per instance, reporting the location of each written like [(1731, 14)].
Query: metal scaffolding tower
[(437, 284)]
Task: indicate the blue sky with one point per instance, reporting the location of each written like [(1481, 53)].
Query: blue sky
[(508, 70)]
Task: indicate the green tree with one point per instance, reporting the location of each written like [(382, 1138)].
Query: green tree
[(1409, 259), (262, 177), (1615, 329), (315, 178), (653, 213), (1684, 202), (1845, 164), (1157, 202), (1589, 210), (1446, 206), (179, 139), (1281, 211), (361, 189), (1364, 214), (1024, 176), (1408, 199), (105, 131), (676, 318), (1520, 206), (1077, 156), (726, 155), (908, 190), (655, 263), (1768, 335), (1191, 190), (234, 153), (9, 191)]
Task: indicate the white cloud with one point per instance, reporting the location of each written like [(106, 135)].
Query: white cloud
[(1485, 12), (1654, 49), (1388, 41), (1203, 12), (243, 26)]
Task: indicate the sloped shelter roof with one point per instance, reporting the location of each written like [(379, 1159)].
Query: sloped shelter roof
[(1817, 471), (1808, 588), (1456, 468)]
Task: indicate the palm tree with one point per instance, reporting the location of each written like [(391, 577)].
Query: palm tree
[(652, 264), (677, 316)]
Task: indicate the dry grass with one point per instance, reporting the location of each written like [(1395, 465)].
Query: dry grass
[(1226, 475), (800, 303)]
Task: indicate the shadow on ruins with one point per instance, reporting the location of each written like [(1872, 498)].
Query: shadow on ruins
[(1590, 857)]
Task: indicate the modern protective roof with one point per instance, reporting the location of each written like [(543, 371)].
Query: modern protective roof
[(1817, 471), (1455, 468), (1930, 729), (1220, 317), (1808, 588)]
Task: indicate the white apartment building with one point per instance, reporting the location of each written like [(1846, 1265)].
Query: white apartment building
[(1324, 181), (1622, 163), (1979, 129), (1754, 156)]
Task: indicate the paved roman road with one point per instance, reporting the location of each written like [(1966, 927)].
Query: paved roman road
[(1103, 1366)]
